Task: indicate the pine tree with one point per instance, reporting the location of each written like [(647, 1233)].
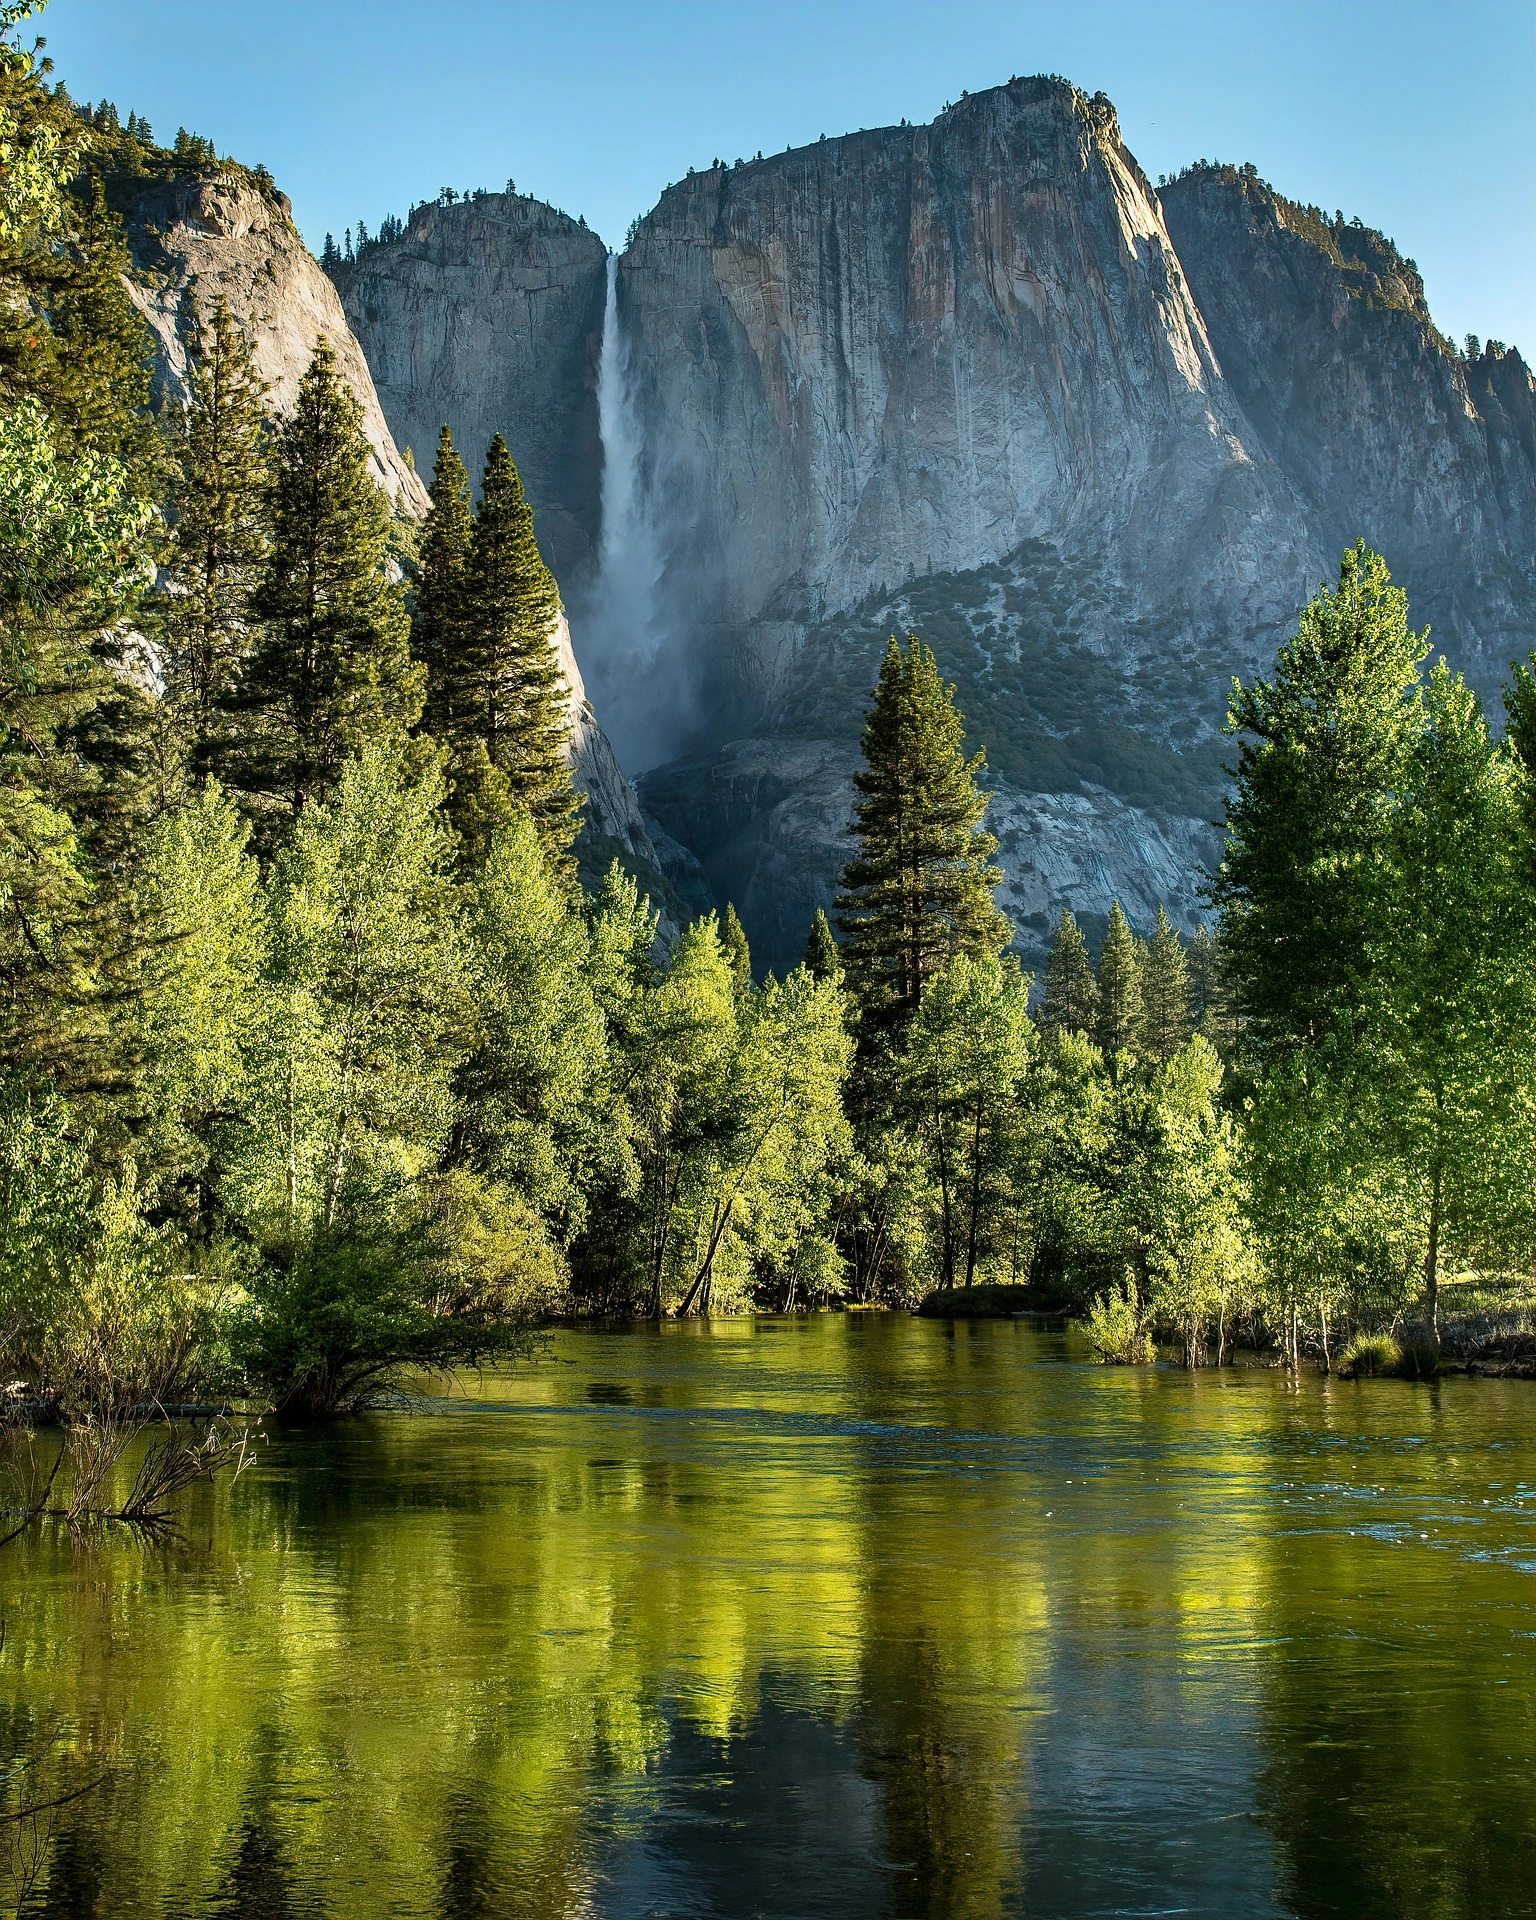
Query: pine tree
[(513, 694), (1165, 1019), (438, 629), (1071, 999), (733, 937), (331, 670), (919, 892), (1119, 1023), (74, 367), (1210, 996), (219, 541), (79, 467), (1520, 707), (822, 959)]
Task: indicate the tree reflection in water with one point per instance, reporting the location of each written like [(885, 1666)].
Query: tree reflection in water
[(832, 1617)]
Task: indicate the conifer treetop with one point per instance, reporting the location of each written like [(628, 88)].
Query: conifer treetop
[(919, 892), (331, 671), (509, 672), (1071, 998)]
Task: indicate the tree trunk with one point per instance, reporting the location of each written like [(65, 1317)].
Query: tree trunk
[(949, 1227), (1432, 1261), (1322, 1314), (970, 1245)]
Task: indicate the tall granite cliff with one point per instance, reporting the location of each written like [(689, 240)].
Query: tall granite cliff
[(978, 379), (911, 350), (485, 314)]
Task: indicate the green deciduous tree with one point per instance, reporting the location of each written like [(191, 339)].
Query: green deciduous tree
[(534, 1105), (1324, 751), (733, 937), (967, 1051), (197, 890), (371, 1255), (1450, 1022)]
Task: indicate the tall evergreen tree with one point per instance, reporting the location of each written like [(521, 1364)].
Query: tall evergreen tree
[(79, 468), (733, 937), (219, 541), (919, 891), (1325, 749), (511, 679), (1071, 1000), (1211, 1011), (822, 959), (438, 630), (1165, 1017), (331, 669), (1120, 1005), (1520, 707)]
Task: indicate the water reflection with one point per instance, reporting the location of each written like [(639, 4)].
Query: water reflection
[(863, 1616)]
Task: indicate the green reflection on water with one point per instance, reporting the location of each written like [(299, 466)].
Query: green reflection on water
[(855, 1616)]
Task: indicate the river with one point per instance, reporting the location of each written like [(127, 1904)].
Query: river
[(854, 1615)]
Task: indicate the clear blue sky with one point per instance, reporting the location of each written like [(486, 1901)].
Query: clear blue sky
[(1418, 116)]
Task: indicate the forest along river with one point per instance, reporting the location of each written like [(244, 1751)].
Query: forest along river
[(851, 1615)]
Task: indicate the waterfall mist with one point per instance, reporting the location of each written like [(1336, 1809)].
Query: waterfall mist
[(627, 649)]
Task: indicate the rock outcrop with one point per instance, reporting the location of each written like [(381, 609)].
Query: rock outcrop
[(196, 239), (484, 315), (772, 814)]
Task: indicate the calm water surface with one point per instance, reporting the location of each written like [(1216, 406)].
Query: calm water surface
[(851, 1616)]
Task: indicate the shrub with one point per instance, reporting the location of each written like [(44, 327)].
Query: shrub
[(1368, 1353), (461, 1276), (1416, 1357), (1117, 1329)]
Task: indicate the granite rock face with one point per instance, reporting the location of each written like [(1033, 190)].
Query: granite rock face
[(772, 817), (1096, 442), (910, 351), (191, 242), (484, 316), (1383, 429)]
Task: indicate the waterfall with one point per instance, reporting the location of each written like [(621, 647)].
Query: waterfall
[(630, 645), (621, 631), (621, 530)]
